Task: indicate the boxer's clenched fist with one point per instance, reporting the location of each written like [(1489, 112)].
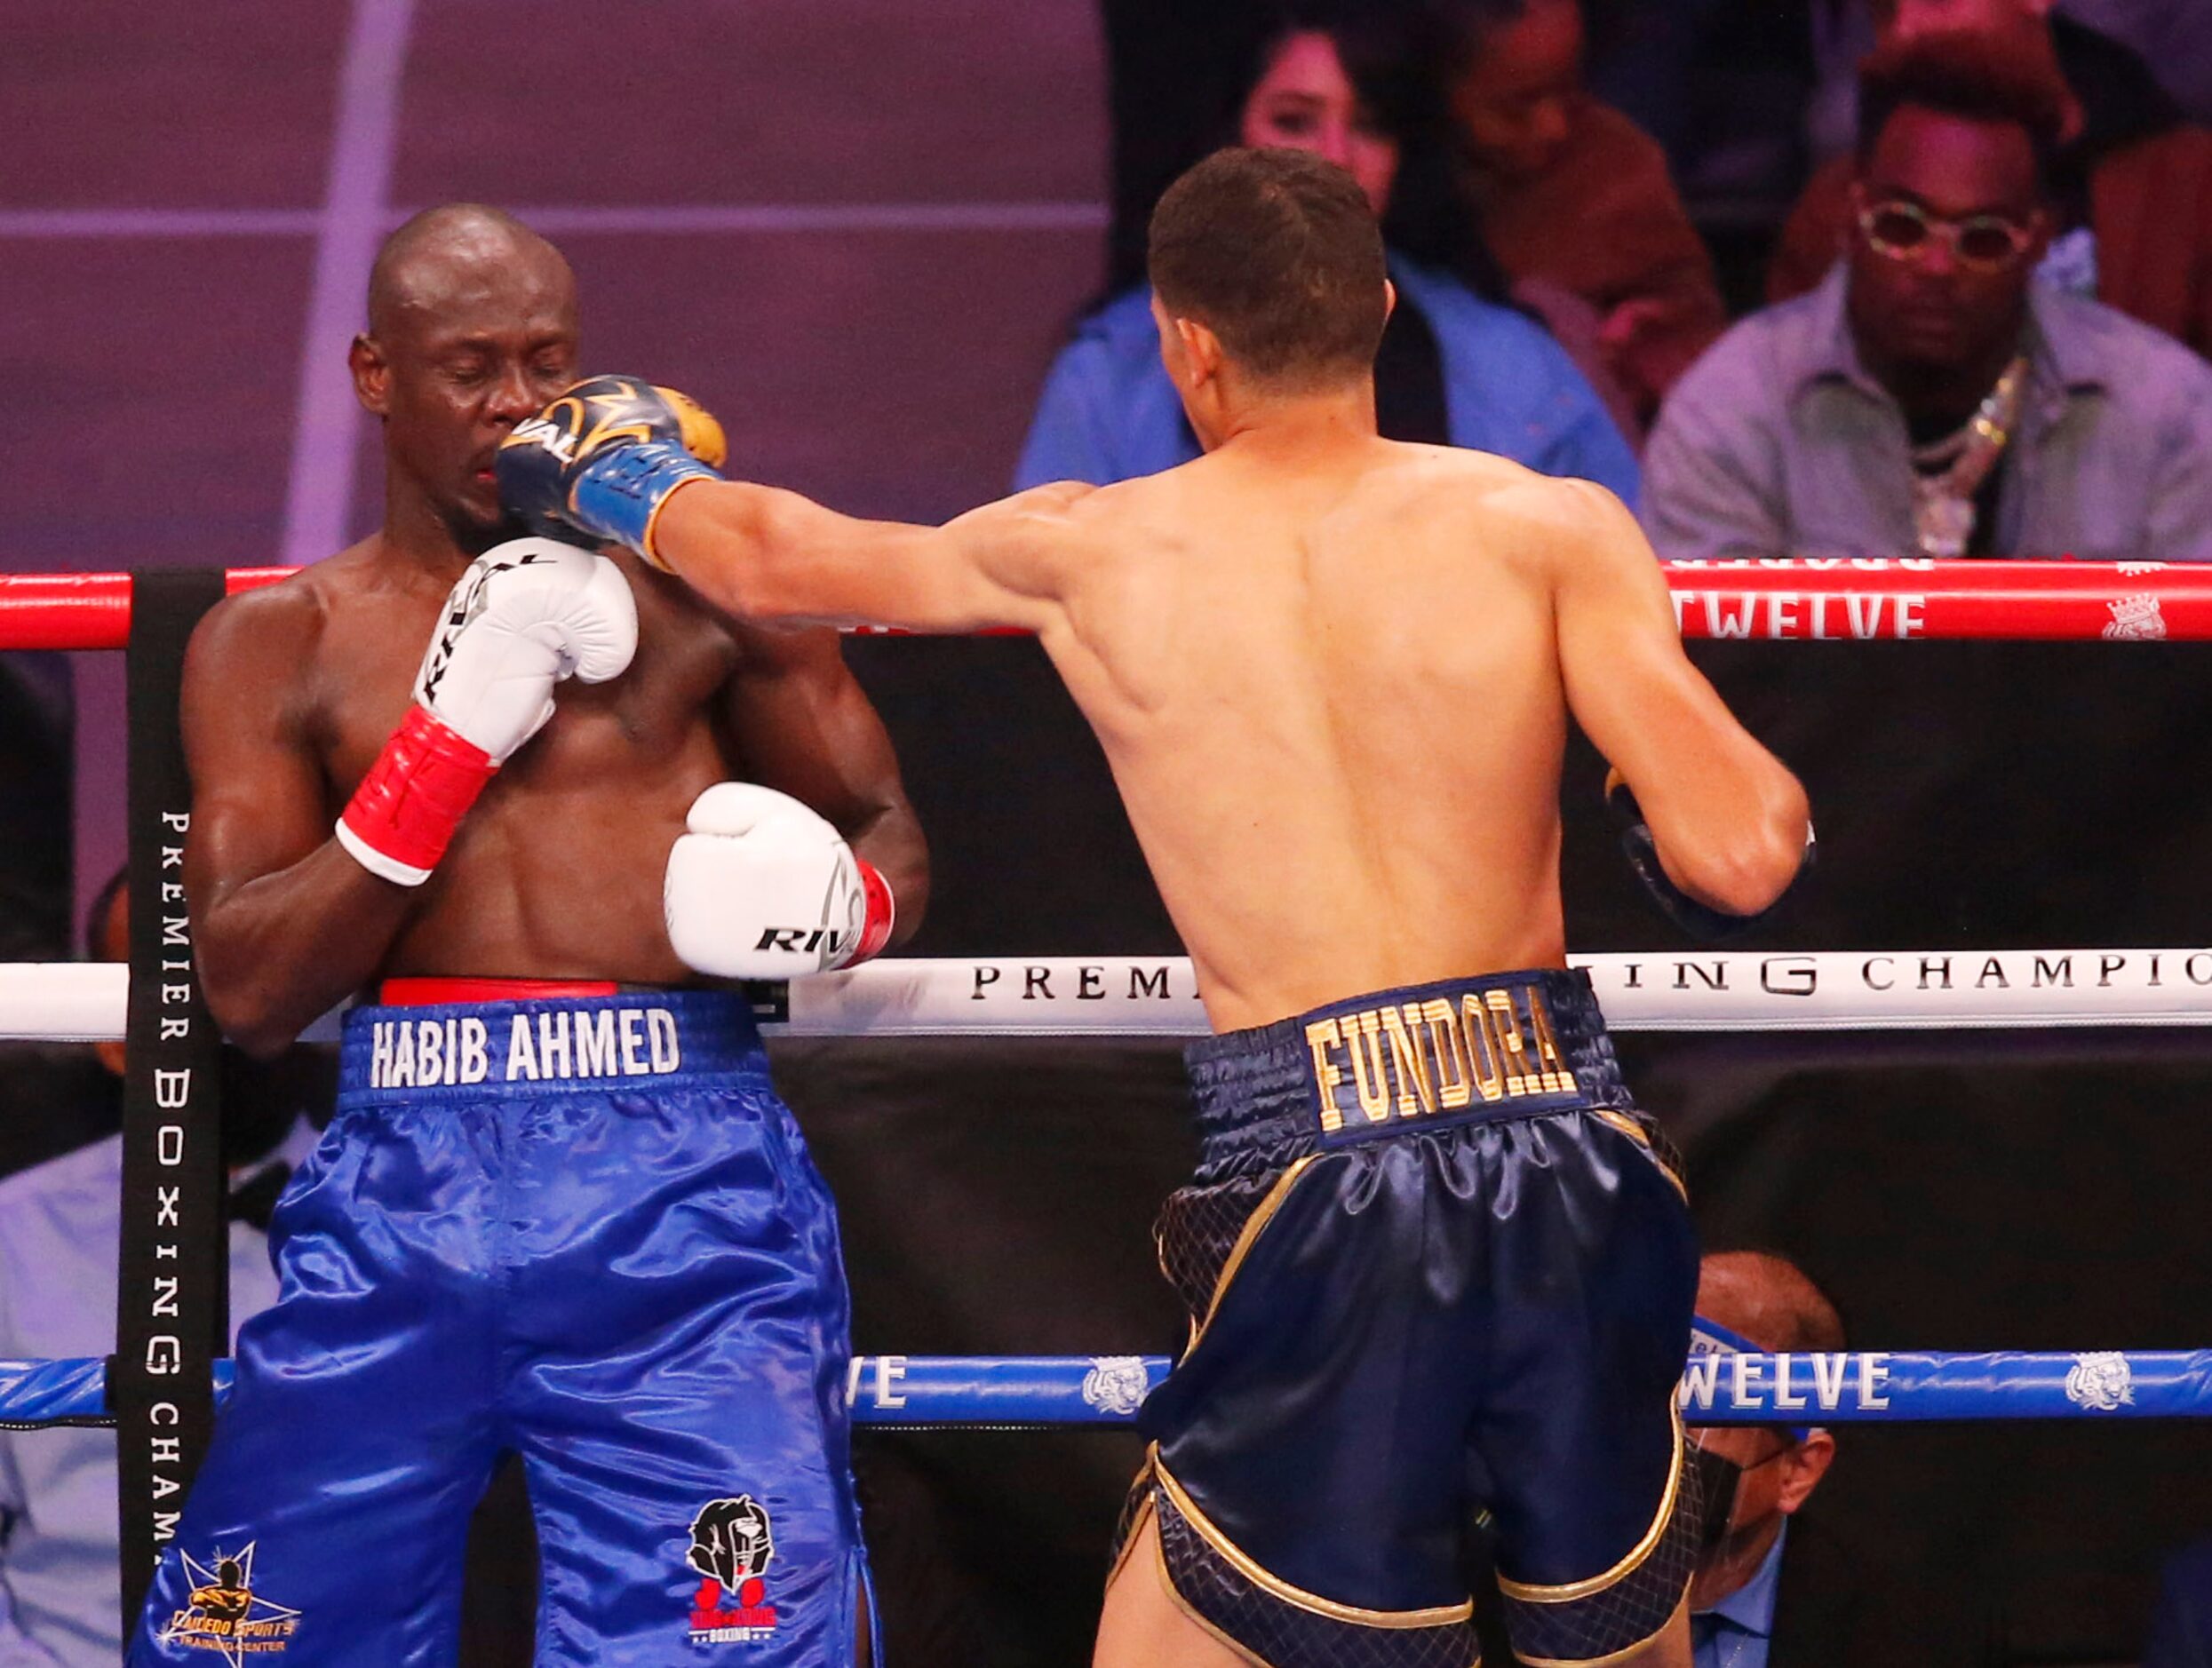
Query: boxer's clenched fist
[(762, 887), (600, 460), (522, 617)]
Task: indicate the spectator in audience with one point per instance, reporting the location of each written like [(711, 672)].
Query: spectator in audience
[(58, 1222), (1577, 204), (1774, 1587), (1930, 399), (1756, 1476), (1453, 369), (2130, 183)]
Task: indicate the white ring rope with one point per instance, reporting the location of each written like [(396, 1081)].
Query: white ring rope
[(1123, 995)]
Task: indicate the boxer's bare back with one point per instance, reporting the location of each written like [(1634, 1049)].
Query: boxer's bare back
[(1333, 674)]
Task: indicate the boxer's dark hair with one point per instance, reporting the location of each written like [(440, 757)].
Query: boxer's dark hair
[(1968, 75), (1277, 253)]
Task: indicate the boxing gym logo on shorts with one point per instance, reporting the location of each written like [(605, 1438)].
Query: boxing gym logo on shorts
[(222, 1612), (731, 1543)]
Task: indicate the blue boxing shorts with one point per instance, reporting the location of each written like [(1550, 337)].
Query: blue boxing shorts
[(581, 1229), (1440, 1274)]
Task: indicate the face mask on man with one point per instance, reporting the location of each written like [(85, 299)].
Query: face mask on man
[(1720, 1479)]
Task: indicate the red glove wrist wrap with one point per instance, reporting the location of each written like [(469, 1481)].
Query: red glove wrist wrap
[(882, 913), (416, 794)]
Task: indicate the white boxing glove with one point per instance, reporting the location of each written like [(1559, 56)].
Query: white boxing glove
[(526, 614), (762, 887), (523, 617)]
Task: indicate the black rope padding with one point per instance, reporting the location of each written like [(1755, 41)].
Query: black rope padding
[(172, 1299)]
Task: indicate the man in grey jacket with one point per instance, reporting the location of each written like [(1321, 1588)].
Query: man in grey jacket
[(1930, 399)]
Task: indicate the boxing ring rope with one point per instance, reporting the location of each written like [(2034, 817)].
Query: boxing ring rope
[(1126, 996), (1841, 600), (1812, 600), (1032, 1392)]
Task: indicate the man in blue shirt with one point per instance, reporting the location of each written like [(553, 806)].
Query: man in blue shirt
[(1930, 399), (1109, 412), (1756, 1477)]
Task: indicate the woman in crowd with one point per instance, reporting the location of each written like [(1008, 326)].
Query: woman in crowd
[(1455, 369), (1578, 205)]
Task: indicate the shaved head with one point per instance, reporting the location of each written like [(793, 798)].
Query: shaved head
[(420, 266), (1768, 1299), (472, 327)]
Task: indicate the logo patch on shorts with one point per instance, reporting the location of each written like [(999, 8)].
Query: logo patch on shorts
[(732, 1542), (223, 1613), (1437, 1060)]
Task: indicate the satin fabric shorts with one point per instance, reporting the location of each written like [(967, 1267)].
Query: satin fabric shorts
[(1440, 1273), (582, 1229)]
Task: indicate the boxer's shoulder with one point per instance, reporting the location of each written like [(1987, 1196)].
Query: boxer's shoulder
[(279, 624)]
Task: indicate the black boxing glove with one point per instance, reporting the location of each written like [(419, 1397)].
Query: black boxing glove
[(1700, 921)]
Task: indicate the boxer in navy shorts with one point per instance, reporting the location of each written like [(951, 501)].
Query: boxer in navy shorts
[(1437, 1270)]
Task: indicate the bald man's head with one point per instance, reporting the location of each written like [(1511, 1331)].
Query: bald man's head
[(1768, 1299), (420, 264), (472, 327)]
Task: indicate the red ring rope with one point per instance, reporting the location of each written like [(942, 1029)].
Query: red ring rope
[(1855, 601)]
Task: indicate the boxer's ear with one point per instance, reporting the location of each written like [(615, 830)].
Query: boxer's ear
[(1202, 350), (372, 375)]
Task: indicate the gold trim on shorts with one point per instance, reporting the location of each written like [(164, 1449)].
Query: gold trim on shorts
[(1436, 1616), (1620, 1656), (1527, 1592), (1205, 1624), (1262, 1213), (1635, 1131)]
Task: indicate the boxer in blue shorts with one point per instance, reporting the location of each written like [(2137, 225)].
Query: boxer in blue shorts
[(561, 1211), (1440, 1276)]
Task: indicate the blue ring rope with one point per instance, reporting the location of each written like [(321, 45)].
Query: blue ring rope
[(972, 1391)]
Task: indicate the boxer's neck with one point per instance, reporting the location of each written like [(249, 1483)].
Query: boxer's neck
[(419, 532), (1293, 424)]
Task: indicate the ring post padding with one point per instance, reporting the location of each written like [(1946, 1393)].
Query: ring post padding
[(172, 1300)]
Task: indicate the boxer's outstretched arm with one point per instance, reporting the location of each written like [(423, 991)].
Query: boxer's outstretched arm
[(1728, 818), (766, 554), (800, 724), (285, 923)]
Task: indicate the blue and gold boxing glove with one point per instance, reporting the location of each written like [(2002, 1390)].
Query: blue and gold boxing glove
[(1700, 921), (601, 459)]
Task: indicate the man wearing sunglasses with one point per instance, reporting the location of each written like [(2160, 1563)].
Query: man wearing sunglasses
[(1931, 399)]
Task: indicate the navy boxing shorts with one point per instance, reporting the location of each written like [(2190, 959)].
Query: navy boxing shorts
[(581, 1229), (1440, 1273)]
